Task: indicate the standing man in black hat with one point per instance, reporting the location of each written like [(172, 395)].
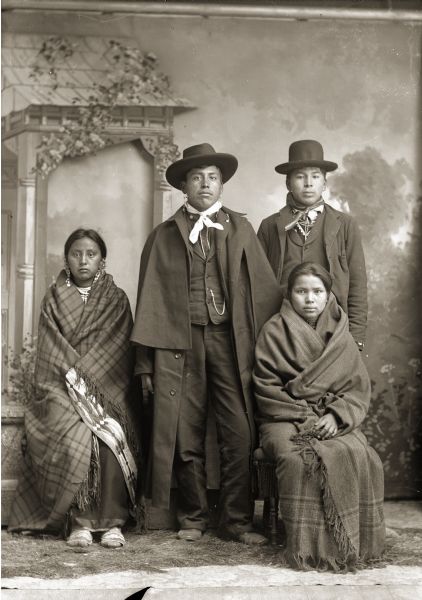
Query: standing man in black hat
[(205, 290), (307, 229)]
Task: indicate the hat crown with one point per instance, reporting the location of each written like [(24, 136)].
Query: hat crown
[(196, 157), (198, 150), (304, 150), (306, 153)]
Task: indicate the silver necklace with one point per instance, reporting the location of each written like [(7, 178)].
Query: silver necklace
[(84, 293)]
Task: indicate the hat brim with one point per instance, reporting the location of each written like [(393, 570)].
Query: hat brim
[(176, 173), (285, 168)]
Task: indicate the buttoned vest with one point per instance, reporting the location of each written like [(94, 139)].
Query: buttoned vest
[(206, 296)]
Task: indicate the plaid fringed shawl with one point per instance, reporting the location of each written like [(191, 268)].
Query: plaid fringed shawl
[(331, 492), (88, 344)]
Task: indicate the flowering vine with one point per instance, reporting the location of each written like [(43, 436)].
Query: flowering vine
[(134, 77)]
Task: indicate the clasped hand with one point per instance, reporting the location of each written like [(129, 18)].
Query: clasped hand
[(326, 427)]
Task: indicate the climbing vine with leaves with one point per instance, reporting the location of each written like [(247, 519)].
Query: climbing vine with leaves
[(133, 77)]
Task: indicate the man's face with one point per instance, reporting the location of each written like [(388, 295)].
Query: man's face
[(306, 185), (203, 186)]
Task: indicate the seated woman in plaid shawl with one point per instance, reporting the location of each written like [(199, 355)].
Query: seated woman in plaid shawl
[(313, 392), (81, 453)]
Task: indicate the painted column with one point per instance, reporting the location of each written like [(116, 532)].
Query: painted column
[(164, 152), (25, 255)]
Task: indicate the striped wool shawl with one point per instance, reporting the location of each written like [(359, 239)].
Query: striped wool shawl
[(91, 341), (300, 374), (301, 371)]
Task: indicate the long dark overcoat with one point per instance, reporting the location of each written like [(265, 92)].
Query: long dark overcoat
[(344, 252), (163, 321)]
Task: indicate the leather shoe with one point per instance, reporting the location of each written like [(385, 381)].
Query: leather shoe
[(252, 538), (189, 535)]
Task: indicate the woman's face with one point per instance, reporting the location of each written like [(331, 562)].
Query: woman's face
[(309, 296), (84, 260)]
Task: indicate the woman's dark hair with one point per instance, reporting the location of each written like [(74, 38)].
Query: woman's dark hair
[(80, 233), (309, 268)]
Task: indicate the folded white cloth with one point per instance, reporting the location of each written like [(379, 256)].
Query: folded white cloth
[(203, 219)]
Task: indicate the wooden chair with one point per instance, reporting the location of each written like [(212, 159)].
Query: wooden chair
[(264, 486)]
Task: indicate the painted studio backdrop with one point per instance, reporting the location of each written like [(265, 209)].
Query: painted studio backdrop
[(249, 87)]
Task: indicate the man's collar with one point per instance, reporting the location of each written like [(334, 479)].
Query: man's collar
[(319, 208)]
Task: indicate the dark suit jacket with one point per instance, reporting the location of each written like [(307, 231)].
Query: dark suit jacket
[(345, 257)]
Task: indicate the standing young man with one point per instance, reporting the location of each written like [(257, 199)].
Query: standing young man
[(205, 290), (307, 229)]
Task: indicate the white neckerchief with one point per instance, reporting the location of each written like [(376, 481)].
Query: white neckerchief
[(203, 219)]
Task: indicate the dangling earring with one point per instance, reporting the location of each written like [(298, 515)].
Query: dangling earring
[(101, 270), (67, 270)]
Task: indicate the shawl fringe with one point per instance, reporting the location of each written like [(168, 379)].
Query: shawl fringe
[(323, 563), (140, 517), (114, 410), (315, 466), (89, 493)]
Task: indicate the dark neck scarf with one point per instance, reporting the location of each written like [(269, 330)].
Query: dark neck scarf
[(300, 212)]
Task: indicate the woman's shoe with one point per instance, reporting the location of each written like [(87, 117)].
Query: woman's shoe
[(113, 538), (79, 538), (189, 535)]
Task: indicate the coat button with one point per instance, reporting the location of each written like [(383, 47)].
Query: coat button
[(177, 355), (172, 392)]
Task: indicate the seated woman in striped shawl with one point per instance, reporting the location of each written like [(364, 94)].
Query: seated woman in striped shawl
[(313, 392), (80, 463)]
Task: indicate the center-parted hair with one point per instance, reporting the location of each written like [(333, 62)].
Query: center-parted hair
[(309, 268), (323, 171), (80, 233)]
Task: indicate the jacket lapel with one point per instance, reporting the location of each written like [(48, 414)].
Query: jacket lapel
[(331, 227), (221, 249), (180, 219), (284, 218)]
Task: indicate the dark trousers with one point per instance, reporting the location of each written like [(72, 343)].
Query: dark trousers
[(112, 509), (210, 371)]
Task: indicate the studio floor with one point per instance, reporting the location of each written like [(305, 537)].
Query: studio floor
[(44, 567)]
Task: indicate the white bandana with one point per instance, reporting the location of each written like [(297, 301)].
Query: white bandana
[(203, 219)]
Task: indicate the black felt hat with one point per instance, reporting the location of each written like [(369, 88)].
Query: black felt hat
[(199, 156), (306, 153)]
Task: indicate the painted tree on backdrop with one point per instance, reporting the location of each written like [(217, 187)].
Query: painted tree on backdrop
[(377, 194)]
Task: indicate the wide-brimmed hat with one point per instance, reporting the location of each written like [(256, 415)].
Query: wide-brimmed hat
[(306, 153), (199, 156)]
